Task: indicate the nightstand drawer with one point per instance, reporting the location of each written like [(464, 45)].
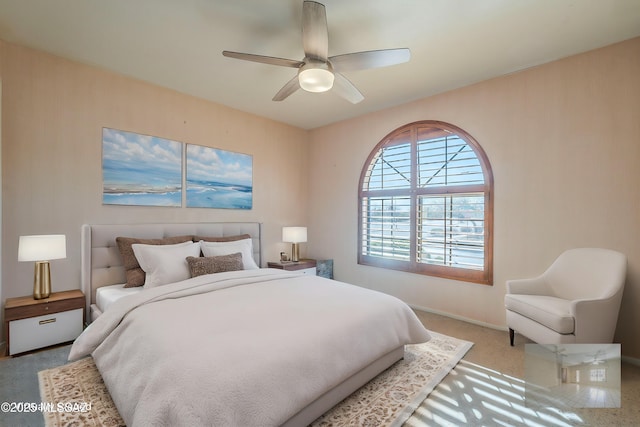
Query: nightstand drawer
[(42, 331)]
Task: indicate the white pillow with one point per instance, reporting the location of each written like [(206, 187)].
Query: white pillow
[(165, 263), (244, 246)]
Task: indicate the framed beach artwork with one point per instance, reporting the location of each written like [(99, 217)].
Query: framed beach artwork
[(140, 170), (218, 178)]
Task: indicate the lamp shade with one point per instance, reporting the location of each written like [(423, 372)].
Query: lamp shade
[(294, 234), (42, 248)]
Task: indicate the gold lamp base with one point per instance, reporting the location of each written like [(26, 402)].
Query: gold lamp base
[(41, 280), (295, 252)]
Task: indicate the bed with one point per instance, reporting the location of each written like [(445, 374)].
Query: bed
[(271, 347)]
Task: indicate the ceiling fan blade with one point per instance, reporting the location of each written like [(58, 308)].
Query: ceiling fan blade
[(346, 89), (289, 88), (271, 60), (369, 59), (315, 36)]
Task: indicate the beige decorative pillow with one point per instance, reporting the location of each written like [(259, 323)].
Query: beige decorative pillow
[(135, 275), (214, 264)]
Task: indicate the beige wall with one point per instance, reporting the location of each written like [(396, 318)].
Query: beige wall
[(53, 114), (541, 369), (612, 375), (563, 140)]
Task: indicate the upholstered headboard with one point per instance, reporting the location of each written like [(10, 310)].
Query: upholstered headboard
[(101, 261)]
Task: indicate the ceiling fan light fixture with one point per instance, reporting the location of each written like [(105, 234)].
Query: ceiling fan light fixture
[(316, 70), (315, 77)]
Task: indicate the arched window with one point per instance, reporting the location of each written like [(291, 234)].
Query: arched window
[(426, 204)]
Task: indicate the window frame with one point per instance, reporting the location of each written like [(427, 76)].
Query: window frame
[(598, 375), (484, 276)]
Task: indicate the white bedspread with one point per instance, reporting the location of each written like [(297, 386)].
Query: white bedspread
[(247, 348)]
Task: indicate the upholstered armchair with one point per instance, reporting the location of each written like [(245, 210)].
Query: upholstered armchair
[(576, 300)]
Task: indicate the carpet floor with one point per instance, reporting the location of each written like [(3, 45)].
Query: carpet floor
[(487, 389), (19, 383)]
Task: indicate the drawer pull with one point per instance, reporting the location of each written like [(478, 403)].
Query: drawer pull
[(44, 322)]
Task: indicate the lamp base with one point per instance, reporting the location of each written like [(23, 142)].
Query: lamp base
[(42, 280), (295, 252)]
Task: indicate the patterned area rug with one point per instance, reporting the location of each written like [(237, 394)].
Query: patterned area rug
[(77, 395), (390, 398), (77, 383)]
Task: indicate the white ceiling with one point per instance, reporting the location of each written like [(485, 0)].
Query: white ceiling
[(178, 43), (575, 354)]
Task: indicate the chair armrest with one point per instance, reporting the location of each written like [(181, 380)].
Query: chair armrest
[(533, 286), (584, 307), (595, 319)]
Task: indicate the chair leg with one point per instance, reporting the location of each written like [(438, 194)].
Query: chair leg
[(512, 334)]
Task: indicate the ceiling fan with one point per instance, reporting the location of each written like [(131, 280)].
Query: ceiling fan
[(317, 72), (596, 358)]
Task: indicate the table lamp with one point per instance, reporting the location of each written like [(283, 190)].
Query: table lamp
[(42, 249), (294, 235)]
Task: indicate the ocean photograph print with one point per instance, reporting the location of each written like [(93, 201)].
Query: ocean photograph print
[(140, 170), (218, 178)]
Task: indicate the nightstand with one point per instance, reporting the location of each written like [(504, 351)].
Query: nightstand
[(31, 324), (305, 266)]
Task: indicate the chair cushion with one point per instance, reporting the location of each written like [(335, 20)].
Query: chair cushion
[(554, 313)]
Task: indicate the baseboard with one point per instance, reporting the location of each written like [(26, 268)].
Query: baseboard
[(462, 318)]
